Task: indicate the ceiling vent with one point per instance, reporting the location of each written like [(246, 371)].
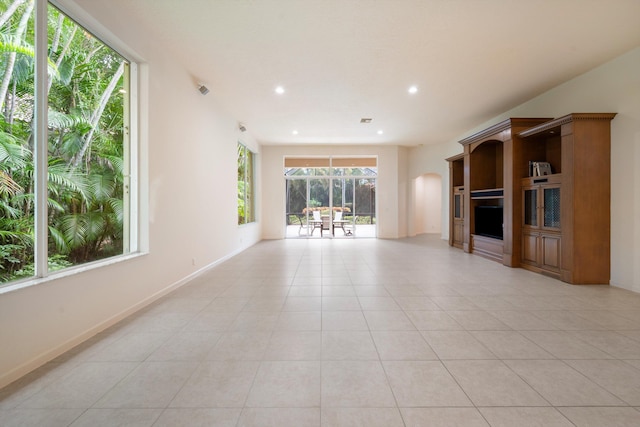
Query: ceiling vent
[(365, 120)]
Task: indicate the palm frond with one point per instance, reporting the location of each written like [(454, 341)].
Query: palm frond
[(116, 163), (12, 153), (9, 211), (8, 187), (7, 46), (60, 174), (54, 205), (102, 184), (117, 206), (74, 230), (18, 237), (59, 120), (66, 70), (96, 225), (58, 239)]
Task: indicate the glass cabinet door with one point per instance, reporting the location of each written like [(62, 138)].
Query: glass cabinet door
[(531, 207), (551, 207), (457, 206)]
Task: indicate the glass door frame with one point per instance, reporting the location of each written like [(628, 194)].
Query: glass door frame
[(308, 174)]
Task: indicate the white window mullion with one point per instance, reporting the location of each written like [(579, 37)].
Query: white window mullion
[(40, 138), (245, 154)]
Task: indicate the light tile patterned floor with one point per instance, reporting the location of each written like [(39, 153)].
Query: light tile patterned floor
[(357, 332)]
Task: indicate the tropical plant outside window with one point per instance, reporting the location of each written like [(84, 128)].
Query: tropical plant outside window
[(85, 164), (246, 206)]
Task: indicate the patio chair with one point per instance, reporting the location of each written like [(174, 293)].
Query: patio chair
[(304, 226), (316, 222), (338, 222), (326, 219), (350, 227)]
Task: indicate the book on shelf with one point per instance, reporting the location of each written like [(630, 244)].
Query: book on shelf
[(539, 168)]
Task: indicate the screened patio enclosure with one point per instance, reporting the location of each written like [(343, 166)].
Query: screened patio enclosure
[(330, 197)]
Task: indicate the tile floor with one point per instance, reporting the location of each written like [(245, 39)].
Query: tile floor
[(358, 332)]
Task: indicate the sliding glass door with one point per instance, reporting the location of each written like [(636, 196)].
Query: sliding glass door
[(365, 202), (296, 204), (330, 201)]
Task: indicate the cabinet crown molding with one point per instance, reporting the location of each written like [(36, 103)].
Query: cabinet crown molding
[(565, 120), (502, 131)]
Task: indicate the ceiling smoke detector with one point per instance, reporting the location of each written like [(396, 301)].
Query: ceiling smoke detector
[(365, 120), (203, 88)]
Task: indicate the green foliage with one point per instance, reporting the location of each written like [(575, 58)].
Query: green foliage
[(55, 262), (85, 205), (9, 46), (245, 165)]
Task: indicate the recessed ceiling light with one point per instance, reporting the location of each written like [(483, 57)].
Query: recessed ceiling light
[(295, 132), (380, 132), (413, 89), (279, 90)]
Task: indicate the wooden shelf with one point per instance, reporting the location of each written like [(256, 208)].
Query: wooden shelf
[(550, 179), (491, 193)]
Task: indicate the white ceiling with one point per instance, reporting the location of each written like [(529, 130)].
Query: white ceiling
[(342, 60)]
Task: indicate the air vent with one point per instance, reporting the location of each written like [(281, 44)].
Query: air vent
[(365, 120)]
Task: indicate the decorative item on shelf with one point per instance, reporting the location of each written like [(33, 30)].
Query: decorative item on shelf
[(539, 168)]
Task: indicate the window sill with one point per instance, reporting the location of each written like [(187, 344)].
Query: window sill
[(71, 271)]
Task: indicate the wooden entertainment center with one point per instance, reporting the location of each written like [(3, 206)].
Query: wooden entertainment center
[(535, 193)]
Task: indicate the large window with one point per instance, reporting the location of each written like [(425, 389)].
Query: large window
[(246, 207), (65, 151)]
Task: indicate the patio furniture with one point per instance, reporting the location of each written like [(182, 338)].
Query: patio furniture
[(304, 226), (349, 227), (339, 222), (316, 222), (325, 223)]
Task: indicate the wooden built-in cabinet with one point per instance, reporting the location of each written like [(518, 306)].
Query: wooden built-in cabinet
[(578, 146), (541, 224), (458, 217), (492, 177), (456, 200), (556, 224)]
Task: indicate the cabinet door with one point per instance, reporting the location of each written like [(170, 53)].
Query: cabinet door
[(458, 232), (530, 211), (530, 248), (458, 210), (551, 207), (550, 256)]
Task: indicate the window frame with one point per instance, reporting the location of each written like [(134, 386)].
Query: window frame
[(248, 179), (134, 244)]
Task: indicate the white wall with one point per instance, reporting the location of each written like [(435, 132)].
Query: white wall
[(404, 193), (387, 186), (612, 87), (191, 203), (428, 204)]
